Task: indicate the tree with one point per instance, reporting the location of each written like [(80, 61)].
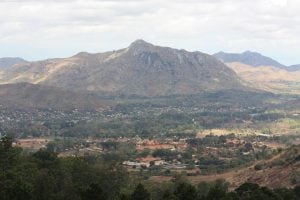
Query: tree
[(185, 191), (231, 196), (140, 193), (285, 193), (203, 189), (12, 185), (222, 139), (8, 153), (247, 189), (218, 191), (297, 191), (94, 192), (46, 159), (168, 195)]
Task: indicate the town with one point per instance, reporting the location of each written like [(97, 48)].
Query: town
[(202, 154)]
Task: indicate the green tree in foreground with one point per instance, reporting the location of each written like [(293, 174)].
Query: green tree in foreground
[(94, 192), (140, 193), (185, 191)]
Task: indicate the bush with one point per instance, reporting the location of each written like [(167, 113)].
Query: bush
[(258, 167)]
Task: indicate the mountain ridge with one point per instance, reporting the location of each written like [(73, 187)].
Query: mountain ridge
[(140, 69), (294, 67), (7, 62), (268, 78), (249, 58)]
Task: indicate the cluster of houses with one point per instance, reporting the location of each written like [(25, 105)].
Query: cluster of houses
[(179, 145), (97, 146), (32, 143), (143, 163)]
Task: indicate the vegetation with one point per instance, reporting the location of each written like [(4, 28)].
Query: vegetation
[(43, 175), (168, 116)]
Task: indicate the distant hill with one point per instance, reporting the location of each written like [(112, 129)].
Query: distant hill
[(9, 62), (268, 78), (294, 68), (141, 69), (27, 96), (263, 73), (249, 58)]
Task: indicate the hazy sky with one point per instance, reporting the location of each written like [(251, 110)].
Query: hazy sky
[(39, 29)]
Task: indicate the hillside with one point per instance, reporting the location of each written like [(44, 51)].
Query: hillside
[(8, 62), (28, 96), (280, 171), (249, 58), (283, 170), (141, 69), (294, 68), (262, 72), (268, 78)]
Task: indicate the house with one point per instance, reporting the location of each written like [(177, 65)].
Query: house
[(151, 160), (136, 164)]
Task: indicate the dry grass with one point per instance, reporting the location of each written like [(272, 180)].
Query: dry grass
[(219, 132), (268, 78), (273, 176)]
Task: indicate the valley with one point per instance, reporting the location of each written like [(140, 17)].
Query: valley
[(157, 114), (149, 100)]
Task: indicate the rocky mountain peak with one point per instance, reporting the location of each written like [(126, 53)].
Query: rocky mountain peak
[(140, 45), (141, 69), (140, 42)]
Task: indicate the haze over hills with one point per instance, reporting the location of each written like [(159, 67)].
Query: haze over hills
[(8, 62), (141, 69)]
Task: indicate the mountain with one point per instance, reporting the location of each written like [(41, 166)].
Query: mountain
[(9, 62), (140, 69), (263, 73), (30, 96), (249, 58), (268, 78), (253, 59), (294, 68)]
